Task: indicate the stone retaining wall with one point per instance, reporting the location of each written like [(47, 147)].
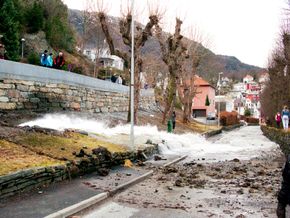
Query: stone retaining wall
[(25, 180), (42, 97), (279, 136)]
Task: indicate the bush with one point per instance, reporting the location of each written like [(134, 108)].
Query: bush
[(228, 118), (33, 58), (252, 120)]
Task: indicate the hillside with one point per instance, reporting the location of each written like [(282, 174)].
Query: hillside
[(211, 64)]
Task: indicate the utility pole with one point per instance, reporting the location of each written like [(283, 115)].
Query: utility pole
[(132, 79), (219, 92)]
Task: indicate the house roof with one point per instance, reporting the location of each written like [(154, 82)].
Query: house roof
[(248, 76), (198, 81)]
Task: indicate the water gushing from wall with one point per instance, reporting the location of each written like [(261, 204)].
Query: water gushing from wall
[(244, 143)]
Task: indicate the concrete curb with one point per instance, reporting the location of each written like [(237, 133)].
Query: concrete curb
[(175, 161), (79, 206), (102, 196), (132, 182)]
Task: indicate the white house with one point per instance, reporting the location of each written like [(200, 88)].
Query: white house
[(225, 81), (112, 61), (248, 79), (239, 87), (105, 58)]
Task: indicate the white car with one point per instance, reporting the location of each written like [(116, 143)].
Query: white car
[(211, 116)]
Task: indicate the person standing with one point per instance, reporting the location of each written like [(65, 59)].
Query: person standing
[(119, 80), (59, 61), (278, 119), (284, 193), (173, 118), (285, 117), (50, 60), (43, 59), (113, 78)]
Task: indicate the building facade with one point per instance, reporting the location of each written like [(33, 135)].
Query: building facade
[(204, 90)]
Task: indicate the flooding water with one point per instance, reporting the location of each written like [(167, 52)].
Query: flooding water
[(244, 143)]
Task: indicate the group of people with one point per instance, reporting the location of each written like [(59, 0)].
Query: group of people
[(283, 117), (118, 79), (47, 60)]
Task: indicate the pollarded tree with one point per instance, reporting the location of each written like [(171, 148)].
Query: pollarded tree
[(9, 26), (186, 84), (173, 54), (141, 36)]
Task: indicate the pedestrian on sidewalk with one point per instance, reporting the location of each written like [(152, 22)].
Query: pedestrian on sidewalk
[(284, 193), (285, 117), (278, 119)]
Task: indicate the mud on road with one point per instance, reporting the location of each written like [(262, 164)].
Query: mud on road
[(224, 189)]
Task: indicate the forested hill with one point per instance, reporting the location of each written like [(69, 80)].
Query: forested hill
[(211, 64)]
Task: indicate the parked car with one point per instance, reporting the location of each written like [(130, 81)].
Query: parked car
[(211, 116)]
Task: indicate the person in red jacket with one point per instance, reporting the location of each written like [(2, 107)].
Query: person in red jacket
[(278, 119), (59, 61)]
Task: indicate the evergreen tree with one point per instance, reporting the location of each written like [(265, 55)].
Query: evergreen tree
[(247, 112), (207, 103), (58, 30), (34, 18), (9, 27)]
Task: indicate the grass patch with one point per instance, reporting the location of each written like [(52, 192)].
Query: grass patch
[(200, 128), (14, 157), (63, 147)]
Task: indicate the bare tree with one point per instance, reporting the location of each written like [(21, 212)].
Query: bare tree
[(277, 92), (186, 84), (173, 54), (141, 36)]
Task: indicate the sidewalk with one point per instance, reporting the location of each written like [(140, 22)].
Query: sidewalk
[(43, 202)]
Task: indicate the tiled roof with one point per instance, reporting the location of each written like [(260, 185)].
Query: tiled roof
[(198, 81)]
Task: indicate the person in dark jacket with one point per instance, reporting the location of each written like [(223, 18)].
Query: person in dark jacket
[(284, 193), (173, 118), (114, 78), (59, 61)]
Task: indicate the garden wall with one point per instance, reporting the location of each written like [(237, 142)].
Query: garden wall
[(25, 180), (35, 88)]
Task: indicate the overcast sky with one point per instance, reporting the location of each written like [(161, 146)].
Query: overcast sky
[(247, 29)]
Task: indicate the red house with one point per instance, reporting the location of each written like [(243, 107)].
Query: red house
[(204, 89)]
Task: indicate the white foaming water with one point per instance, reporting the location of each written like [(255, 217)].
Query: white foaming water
[(244, 143)]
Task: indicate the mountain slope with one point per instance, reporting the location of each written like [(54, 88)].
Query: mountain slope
[(209, 68)]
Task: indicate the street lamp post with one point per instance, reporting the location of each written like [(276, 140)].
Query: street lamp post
[(219, 104), (22, 47), (132, 79)]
